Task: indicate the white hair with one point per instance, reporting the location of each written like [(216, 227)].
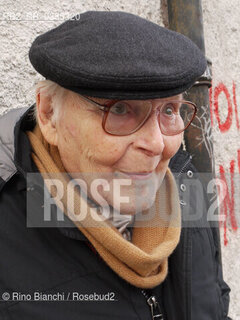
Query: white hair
[(55, 92)]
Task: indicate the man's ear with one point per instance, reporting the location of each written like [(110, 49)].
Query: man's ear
[(45, 118)]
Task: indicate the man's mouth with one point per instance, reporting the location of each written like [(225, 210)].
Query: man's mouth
[(138, 175)]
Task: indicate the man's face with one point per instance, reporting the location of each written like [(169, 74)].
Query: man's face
[(141, 157)]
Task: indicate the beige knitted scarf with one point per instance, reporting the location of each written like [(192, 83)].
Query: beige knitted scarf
[(143, 262)]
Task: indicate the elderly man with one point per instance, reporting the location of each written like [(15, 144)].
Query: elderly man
[(100, 144)]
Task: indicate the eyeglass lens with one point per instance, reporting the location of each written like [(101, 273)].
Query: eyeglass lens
[(125, 117)]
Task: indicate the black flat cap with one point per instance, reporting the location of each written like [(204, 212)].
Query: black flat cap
[(117, 55)]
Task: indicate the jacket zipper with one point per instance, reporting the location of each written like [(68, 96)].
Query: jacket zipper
[(187, 244), (184, 166), (154, 306)]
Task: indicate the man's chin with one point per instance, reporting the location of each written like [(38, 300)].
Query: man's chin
[(136, 204), (129, 199)]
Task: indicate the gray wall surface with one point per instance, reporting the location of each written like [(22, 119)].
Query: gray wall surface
[(21, 21), (222, 38)]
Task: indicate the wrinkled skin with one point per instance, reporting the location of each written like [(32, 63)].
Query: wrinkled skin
[(86, 148)]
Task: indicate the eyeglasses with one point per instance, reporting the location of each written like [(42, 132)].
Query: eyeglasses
[(124, 117)]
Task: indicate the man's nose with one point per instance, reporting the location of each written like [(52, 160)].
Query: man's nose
[(149, 137)]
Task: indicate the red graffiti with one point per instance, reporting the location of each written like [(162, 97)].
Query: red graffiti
[(215, 107), (239, 161), (227, 124), (235, 105), (227, 207)]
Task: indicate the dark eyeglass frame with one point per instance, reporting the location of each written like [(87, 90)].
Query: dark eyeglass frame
[(106, 107)]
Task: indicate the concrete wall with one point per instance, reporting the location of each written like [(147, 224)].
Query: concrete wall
[(222, 38), (21, 21)]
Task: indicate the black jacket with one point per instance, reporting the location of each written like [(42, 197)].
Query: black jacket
[(61, 261)]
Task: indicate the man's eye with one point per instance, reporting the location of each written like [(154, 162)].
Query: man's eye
[(119, 108), (169, 109)]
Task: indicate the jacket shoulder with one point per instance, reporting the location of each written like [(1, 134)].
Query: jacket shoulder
[(7, 125)]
